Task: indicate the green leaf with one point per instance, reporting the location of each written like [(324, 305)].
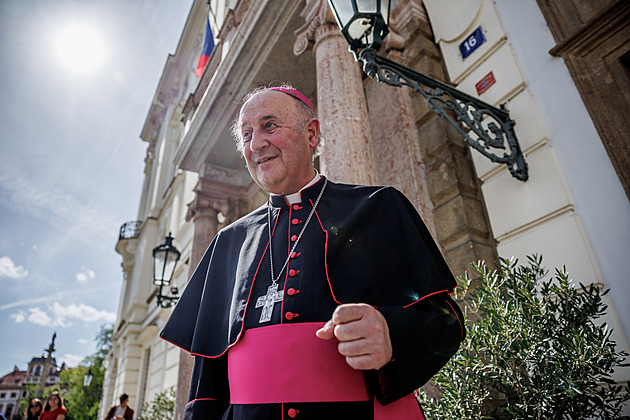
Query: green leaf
[(533, 349)]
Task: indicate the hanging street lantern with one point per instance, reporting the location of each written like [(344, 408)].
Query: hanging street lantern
[(87, 378), (486, 128), (165, 259), (363, 23)]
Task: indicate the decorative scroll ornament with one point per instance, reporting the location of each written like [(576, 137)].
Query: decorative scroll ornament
[(318, 17), (487, 129)]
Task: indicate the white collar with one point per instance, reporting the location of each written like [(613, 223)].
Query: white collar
[(297, 197)]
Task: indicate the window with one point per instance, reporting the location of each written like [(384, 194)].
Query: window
[(145, 376)]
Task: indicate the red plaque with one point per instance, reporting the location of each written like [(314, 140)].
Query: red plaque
[(485, 83)]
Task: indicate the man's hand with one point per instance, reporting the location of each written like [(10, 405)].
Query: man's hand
[(362, 333)]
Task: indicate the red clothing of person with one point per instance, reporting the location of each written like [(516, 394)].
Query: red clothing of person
[(52, 414)]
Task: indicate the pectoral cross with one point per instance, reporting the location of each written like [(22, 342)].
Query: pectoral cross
[(268, 301)]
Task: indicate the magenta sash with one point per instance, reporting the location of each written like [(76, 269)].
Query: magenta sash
[(288, 363)]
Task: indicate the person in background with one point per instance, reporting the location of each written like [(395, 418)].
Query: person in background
[(121, 411), (54, 409), (34, 409)]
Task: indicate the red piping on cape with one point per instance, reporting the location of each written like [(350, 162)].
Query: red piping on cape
[(461, 326), (240, 333), (249, 295), (330, 284), (332, 292), (286, 274), (426, 296), (327, 279)]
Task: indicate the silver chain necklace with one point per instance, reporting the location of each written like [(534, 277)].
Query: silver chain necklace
[(273, 295), (273, 278)]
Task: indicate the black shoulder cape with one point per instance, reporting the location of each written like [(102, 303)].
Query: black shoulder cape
[(378, 251)]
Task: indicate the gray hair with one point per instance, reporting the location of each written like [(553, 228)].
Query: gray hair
[(308, 114)]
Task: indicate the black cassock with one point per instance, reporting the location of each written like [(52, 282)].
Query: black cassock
[(362, 245)]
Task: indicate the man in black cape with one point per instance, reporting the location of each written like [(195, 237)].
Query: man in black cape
[(329, 301)]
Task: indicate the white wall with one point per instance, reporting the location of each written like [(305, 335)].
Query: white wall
[(573, 210), (599, 198)]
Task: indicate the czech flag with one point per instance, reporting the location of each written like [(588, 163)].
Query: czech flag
[(208, 46)]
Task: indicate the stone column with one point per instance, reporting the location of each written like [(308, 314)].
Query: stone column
[(396, 150), (348, 152), (459, 215), (214, 200)]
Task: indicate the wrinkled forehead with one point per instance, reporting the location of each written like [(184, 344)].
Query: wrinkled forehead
[(268, 104)]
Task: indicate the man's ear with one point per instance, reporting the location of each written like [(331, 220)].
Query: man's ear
[(313, 132)]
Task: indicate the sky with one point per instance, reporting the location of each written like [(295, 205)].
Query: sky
[(77, 78)]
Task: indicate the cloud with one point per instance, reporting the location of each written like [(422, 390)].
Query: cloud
[(63, 315), (62, 295), (85, 275), (9, 269), (82, 341), (35, 315), (19, 317), (32, 301), (72, 360)]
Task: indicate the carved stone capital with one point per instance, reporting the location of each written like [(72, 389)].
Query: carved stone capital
[(319, 20), (201, 208), (214, 197)]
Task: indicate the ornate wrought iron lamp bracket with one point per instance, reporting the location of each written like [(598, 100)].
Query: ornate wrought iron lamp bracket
[(486, 128), (164, 301)]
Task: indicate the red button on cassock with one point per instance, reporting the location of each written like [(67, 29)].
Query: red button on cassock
[(293, 272), (293, 412), (290, 315), (294, 238), (296, 221), (296, 207), (292, 292), (295, 254)]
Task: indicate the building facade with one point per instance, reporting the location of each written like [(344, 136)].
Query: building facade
[(561, 68), (12, 390), (35, 371), (13, 385)]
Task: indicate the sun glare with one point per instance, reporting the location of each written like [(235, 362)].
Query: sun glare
[(80, 48)]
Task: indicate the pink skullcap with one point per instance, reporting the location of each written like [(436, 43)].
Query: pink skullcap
[(295, 93)]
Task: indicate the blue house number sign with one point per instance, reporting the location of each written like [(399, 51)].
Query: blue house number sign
[(471, 43)]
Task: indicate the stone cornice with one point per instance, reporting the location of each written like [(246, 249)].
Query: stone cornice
[(599, 29)]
